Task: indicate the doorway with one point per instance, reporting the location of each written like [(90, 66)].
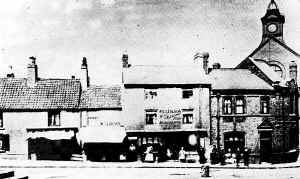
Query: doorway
[(266, 146)]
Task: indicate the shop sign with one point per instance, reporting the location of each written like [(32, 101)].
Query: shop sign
[(170, 118), (95, 121)]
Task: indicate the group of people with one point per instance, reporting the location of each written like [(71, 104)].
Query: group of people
[(162, 154)]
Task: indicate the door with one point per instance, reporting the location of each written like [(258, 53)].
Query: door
[(265, 146)]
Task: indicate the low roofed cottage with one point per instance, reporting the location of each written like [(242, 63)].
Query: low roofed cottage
[(34, 108)]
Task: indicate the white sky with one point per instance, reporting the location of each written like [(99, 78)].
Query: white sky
[(60, 32)]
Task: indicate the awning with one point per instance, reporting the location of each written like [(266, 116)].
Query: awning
[(52, 135), (105, 134)]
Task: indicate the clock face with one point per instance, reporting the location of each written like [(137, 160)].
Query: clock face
[(272, 28)]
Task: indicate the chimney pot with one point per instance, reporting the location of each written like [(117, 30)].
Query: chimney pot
[(32, 71), (125, 61), (216, 66)]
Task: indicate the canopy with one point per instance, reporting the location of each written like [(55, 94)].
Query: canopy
[(52, 135), (105, 134)]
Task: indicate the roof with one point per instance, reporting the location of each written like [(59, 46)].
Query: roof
[(45, 94), (241, 79), (98, 97), (164, 75), (262, 66), (277, 42)]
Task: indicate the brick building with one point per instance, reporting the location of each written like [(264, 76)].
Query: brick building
[(255, 105)]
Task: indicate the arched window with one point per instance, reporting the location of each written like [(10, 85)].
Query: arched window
[(277, 69)]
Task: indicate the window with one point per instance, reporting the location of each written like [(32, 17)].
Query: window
[(187, 93), (151, 116), (150, 93), (264, 104), (234, 141), (187, 116), (227, 105), (1, 120), (240, 105), (54, 118)]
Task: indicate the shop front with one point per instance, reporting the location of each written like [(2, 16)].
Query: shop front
[(103, 143), (52, 143), (166, 144)]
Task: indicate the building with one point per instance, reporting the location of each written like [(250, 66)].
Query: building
[(255, 105), (166, 106), (38, 116), (101, 132)]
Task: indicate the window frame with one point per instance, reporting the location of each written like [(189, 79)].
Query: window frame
[(225, 106), (187, 93), (150, 94), (150, 112), (243, 105), (54, 119), (187, 116), (265, 100)]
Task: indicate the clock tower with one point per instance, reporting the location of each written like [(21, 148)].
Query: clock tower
[(272, 23)]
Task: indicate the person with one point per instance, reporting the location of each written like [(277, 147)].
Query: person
[(246, 157), (201, 154), (149, 157), (238, 157), (132, 153), (214, 155), (222, 157), (169, 154), (181, 155)]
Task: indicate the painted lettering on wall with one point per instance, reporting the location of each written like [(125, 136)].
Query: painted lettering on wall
[(170, 118)]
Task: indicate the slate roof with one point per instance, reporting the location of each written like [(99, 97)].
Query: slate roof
[(165, 75), (275, 46), (101, 97), (240, 79), (15, 94)]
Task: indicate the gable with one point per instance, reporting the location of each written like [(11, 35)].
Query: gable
[(276, 52)]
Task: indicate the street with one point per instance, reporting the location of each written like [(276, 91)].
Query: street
[(145, 173)]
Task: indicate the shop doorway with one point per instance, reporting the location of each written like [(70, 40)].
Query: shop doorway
[(234, 141), (266, 146)]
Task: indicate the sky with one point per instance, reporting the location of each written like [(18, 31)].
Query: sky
[(152, 32)]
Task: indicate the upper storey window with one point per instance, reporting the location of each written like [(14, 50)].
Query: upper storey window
[(187, 93), (277, 69), (150, 94)]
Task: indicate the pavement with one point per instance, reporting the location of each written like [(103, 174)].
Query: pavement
[(4, 163)]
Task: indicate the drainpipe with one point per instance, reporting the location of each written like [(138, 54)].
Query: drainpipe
[(218, 121)]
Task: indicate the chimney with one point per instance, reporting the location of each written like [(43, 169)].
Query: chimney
[(216, 66), (293, 70), (204, 56), (125, 63), (84, 75), (10, 73), (32, 71)]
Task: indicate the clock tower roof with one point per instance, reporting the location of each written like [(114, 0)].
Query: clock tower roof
[(272, 22)]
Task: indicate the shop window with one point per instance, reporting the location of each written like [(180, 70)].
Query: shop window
[(187, 93), (1, 120), (234, 141), (54, 118), (151, 116), (264, 105), (150, 94), (228, 119), (227, 105), (240, 105)]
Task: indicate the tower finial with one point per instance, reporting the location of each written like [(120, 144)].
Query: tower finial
[(272, 5)]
